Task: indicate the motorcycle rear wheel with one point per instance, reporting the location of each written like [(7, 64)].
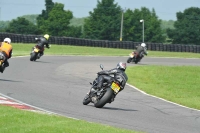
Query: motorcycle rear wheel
[(105, 99), (129, 60)]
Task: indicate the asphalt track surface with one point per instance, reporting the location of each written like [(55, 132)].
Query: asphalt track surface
[(59, 84)]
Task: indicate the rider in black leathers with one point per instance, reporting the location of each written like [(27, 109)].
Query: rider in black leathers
[(41, 42), (117, 74), (141, 50)]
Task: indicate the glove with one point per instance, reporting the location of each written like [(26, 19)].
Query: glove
[(47, 47)]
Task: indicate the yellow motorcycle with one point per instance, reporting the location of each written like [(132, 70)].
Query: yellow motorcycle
[(35, 54)]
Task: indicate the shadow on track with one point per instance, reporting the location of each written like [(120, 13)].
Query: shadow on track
[(112, 108), (42, 61), (139, 64), (9, 80)]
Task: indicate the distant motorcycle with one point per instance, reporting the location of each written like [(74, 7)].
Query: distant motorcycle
[(134, 57), (35, 54), (104, 95), (2, 59)]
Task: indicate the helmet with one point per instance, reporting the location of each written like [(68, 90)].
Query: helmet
[(121, 66), (46, 36), (8, 40), (143, 45)]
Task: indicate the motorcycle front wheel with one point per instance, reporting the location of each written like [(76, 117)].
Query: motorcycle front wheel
[(86, 100), (33, 56), (129, 60)]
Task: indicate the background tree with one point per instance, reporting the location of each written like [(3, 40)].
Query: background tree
[(32, 18), (167, 24), (133, 28), (104, 22), (21, 26), (187, 27), (44, 16), (74, 31), (4, 25), (57, 23), (77, 21)]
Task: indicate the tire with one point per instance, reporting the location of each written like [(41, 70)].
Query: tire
[(107, 97), (129, 60), (1, 69), (86, 100), (138, 60), (33, 56)]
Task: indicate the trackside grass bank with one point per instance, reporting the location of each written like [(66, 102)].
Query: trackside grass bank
[(179, 84), (24, 49), (19, 121)]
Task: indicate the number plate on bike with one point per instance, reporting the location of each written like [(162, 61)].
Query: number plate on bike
[(115, 87), (131, 55), (36, 50)]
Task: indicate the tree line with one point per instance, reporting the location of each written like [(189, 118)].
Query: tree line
[(104, 23)]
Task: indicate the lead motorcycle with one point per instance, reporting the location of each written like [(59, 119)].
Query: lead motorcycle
[(134, 57), (2, 59), (104, 95), (35, 54)]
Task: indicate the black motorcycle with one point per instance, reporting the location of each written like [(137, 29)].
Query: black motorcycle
[(104, 95)]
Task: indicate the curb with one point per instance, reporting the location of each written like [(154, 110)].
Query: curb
[(8, 102)]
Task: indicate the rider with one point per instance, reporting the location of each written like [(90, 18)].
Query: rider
[(41, 42), (6, 49), (141, 50), (116, 74)]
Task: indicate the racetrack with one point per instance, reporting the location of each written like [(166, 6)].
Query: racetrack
[(59, 84)]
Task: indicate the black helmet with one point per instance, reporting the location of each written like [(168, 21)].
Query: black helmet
[(121, 66)]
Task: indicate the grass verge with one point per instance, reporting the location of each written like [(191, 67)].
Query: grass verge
[(179, 84), (24, 49), (19, 121)]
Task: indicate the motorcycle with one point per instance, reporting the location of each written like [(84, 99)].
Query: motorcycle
[(134, 57), (104, 95), (2, 59), (35, 54)]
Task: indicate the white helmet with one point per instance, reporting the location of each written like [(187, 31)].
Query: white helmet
[(143, 45), (7, 40)]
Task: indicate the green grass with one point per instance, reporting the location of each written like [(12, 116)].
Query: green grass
[(179, 84), (17, 121), (24, 49)]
